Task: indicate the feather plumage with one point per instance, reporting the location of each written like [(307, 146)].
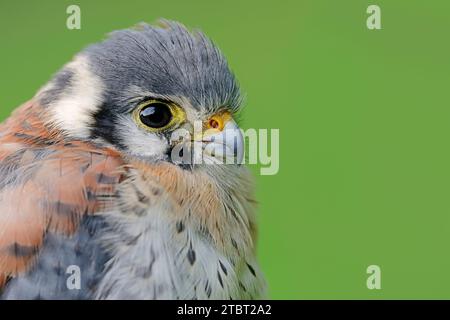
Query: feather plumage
[(47, 185)]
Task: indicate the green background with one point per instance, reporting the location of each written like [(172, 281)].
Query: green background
[(364, 123)]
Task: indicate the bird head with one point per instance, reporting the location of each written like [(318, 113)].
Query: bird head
[(154, 93)]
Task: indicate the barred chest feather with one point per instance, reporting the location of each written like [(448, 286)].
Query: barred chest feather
[(169, 233), (179, 234)]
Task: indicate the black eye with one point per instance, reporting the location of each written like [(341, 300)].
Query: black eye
[(155, 115)]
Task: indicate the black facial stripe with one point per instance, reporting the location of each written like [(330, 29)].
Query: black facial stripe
[(106, 127), (59, 84)]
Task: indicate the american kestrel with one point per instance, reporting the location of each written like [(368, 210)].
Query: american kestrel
[(88, 179)]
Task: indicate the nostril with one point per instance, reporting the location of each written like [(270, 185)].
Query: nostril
[(213, 123)]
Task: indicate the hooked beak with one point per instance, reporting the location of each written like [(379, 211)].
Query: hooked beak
[(222, 139)]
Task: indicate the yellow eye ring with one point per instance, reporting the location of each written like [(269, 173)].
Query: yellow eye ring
[(158, 116)]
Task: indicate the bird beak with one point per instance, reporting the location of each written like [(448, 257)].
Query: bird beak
[(222, 139)]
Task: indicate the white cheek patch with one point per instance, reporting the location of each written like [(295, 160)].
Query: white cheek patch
[(139, 143), (73, 112)]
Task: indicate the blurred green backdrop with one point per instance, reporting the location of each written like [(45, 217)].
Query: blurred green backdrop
[(364, 121)]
